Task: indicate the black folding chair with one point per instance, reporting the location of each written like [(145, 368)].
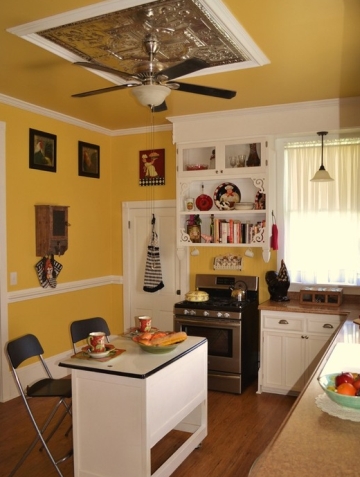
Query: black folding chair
[(81, 329), (19, 350)]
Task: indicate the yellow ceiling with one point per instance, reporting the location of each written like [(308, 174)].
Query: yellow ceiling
[(313, 47)]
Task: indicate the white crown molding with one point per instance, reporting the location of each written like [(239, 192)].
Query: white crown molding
[(32, 293), (32, 108), (277, 108), (142, 130), (235, 113)]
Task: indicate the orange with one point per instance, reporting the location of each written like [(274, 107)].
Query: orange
[(347, 389)]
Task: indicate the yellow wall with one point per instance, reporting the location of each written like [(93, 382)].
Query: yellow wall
[(125, 172), (95, 215), (89, 199), (203, 263), (90, 237)]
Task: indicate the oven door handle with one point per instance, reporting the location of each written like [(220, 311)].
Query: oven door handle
[(207, 322)]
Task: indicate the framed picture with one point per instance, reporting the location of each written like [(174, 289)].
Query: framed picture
[(89, 160), (152, 167), (42, 151)]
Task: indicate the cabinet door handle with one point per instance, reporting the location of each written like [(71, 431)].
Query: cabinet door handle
[(304, 337), (283, 322), (328, 325)]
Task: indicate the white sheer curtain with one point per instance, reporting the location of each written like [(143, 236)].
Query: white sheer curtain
[(322, 220)]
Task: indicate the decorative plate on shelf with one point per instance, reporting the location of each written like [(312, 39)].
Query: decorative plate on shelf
[(226, 195), (204, 202)]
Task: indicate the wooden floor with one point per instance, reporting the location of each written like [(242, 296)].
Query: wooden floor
[(239, 429)]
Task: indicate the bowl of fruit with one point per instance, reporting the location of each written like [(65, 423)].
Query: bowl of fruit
[(342, 388), (160, 341)]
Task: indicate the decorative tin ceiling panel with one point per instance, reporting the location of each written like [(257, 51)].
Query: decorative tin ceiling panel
[(183, 28)]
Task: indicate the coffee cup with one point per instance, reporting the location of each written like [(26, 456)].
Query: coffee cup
[(249, 253), (189, 204), (97, 342), (144, 323)]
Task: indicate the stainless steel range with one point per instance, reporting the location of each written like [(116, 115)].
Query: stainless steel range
[(231, 326)]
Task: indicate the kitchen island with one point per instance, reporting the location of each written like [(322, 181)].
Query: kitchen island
[(311, 442), (122, 407)]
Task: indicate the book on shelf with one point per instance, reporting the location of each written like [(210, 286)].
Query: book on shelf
[(235, 232)]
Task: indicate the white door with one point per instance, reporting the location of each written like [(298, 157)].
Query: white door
[(137, 229)]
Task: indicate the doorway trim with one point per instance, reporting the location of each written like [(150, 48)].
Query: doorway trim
[(4, 327)]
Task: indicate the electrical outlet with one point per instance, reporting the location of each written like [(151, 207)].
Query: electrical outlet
[(13, 278)]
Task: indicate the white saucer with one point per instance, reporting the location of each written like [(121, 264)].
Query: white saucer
[(104, 354)]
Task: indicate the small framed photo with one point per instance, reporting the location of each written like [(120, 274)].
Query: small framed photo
[(152, 167), (89, 160), (42, 151)]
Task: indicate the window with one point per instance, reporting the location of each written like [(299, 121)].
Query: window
[(321, 221)]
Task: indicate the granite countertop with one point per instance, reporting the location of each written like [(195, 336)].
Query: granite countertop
[(311, 442), (350, 302)]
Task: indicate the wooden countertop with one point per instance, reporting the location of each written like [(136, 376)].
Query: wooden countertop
[(311, 442)]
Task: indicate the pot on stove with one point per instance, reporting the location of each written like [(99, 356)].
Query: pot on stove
[(239, 291), (197, 296)]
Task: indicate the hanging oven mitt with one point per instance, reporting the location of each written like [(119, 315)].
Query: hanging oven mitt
[(47, 270), (153, 275), (274, 234)]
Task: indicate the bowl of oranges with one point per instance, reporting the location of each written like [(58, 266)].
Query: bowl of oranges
[(342, 388)]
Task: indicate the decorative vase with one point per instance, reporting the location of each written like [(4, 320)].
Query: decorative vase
[(253, 159)]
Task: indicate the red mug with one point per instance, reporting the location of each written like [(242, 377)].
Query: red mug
[(145, 323), (97, 342)]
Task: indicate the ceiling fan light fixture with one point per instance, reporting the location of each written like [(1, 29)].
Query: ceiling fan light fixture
[(151, 94), (322, 175)]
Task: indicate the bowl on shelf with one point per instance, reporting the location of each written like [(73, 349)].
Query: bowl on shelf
[(197, 167), (244, 206), (327, 383)]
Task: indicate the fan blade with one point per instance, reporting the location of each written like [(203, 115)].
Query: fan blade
[(104, 90), (106, 69), (181, 69), (206, 90), (160, 108)]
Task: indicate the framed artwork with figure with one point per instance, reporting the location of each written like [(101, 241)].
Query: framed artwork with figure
[(89, 160), (152, 167), (42, 151)]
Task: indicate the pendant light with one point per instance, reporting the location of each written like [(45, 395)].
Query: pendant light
[(322, 175)]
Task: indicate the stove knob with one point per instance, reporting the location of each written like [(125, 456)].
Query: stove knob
[(219, 314), (192, 312), (206, 313), (186, 312), (226, 315)]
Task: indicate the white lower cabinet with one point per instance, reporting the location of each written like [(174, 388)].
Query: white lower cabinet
[(291, 346)]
